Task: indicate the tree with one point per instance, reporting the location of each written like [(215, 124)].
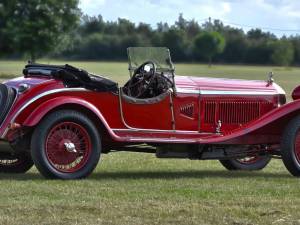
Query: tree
[(208, 45), (38, 25), (92, 24), (175, 40), (192, 28), (283, 53), (296, 43), (236, 46), (181, 23), (258, 52), (257, 34), (125, 26), (6, 10)]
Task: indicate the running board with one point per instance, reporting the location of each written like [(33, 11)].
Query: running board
[(161, 136)]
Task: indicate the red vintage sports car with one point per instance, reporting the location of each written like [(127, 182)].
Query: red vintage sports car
[(61, 119)]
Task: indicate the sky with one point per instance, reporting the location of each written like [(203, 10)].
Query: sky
[(281, 17)]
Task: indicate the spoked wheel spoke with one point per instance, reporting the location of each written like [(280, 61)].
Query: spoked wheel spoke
[(68, 146)]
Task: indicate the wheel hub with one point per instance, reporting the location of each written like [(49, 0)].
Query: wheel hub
[(249, 159), (70, 147)]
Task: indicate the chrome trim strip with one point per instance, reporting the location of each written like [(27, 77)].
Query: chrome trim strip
[(187, 91), (164, 140), (36, 98), (173, 122), (158, 131), (225, 92), (217, 92), (121, 112)]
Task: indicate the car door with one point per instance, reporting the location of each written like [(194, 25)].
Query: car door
[(154, 113)]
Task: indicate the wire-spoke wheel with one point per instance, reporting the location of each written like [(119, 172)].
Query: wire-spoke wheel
[(20, 163), (290, 146), (66, 145), (247, 163)]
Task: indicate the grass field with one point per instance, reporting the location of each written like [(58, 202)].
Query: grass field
[(138, 189)]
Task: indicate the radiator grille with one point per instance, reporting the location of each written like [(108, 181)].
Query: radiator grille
[(234, 112), (210, 111)]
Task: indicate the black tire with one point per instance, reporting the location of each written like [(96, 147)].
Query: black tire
[(16, 164), (236, 164), (288, 147), (41, 133), (7, 96)]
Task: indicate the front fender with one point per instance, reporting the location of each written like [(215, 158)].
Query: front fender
[(273, 123)]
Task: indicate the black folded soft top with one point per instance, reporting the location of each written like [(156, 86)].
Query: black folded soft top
[(71, 76)]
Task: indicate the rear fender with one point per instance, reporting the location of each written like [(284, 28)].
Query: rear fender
[(37, 115)]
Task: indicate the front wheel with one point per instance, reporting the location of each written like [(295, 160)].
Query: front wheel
[(290, 146), (66, 145), (247, 163)]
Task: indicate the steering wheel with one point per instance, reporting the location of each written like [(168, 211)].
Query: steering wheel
[(141, 80)]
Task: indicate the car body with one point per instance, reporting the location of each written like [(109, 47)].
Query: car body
[(63, 118)]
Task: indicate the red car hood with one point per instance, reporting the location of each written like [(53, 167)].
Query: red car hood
[(205, 84)]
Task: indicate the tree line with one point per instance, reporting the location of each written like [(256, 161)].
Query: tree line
[(58, 29)]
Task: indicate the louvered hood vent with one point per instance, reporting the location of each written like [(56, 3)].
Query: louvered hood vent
[(234, 112), (187, 110)]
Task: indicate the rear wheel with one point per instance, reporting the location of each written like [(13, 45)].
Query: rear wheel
[(247, 163), (290, 146), (20, 163), (66, 145)]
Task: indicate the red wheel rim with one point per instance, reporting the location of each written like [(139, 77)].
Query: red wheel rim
[(249, 160), (68, 147), (297, 147)]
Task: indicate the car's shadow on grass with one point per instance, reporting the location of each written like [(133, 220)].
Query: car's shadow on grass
[(188, 174)]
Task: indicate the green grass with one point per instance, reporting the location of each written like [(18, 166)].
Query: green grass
[(136, 188)]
